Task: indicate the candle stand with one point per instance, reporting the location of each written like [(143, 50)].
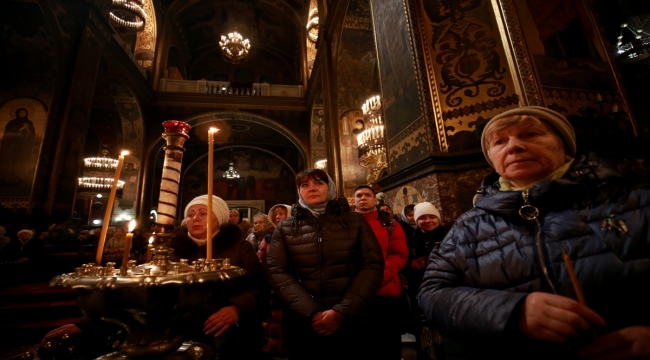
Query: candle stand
[(152, 301)]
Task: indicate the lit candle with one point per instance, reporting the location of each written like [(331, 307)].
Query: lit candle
[(109, 208), (210, 182), (127, 244), (149, 247)]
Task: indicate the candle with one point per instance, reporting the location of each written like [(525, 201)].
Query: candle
[(210, 183), (149, 247), (574, 278), (127, 244), (109, 208), (576, 285)]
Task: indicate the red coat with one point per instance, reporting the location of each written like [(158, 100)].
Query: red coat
[(395, 252)]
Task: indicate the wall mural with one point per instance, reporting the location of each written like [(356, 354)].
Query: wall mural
[(403, 115), (351, 125), (22, 122), (357, 81), (468, 66), (263, 175), (317, 134)]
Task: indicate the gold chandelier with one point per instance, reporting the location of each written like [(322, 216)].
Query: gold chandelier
[(128, 15), (372, 148), (234, 47)]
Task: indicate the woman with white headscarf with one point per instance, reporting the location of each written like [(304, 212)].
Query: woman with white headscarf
[(235, 323), (326, 265)]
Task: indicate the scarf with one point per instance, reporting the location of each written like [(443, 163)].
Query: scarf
[(318, 209), (406, 220)]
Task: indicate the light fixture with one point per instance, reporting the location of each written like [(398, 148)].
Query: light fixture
[(321, 164), (634, 44), (231, 173), (372, 148), (128, 15), (98, 176), (234, 47), (97, 222)]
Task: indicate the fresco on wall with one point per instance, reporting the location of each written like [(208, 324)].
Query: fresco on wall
[(404, 126), (402, 196), (356, 58), (317, 134), (263, 176), (468, 67), (28, 53), (351, 125), (22, 122)]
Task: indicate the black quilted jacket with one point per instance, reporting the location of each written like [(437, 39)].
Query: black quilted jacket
[(333, 262), (491, 259)]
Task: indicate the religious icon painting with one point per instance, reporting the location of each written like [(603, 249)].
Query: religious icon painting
[(22, 123)]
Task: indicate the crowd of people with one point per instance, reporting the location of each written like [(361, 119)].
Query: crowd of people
[(553, 261)]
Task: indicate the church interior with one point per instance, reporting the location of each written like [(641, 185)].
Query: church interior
[(390, 93)]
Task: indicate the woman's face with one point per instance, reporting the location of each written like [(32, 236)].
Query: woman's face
[(258, 224), (197, 221), (410, 216), (428, 222), (233, 218), (280, 214), (314, 191), (526, 152)]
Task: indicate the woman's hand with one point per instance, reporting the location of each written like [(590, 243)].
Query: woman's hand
[(327, 322), (629, 343), (419, 263), (221, 320), (56, 334), (555, 318)]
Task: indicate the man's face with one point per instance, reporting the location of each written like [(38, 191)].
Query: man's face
[(365, 200)]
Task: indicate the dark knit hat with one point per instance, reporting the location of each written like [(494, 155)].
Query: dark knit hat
[(551, 117)]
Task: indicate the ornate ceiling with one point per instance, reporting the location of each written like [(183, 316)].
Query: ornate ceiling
[(274, 28)]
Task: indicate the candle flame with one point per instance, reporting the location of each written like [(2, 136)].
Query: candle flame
[(151, 240), (131, 226), (124, 153), (213, 130)]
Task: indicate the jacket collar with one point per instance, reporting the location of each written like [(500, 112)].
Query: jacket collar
[(586, 173)]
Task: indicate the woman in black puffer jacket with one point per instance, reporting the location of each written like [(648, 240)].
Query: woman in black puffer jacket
[(499, 283), (326, 265)]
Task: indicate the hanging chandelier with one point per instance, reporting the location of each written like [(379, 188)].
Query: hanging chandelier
[(634, 44), (372, 148), (234, 47), (231, 173), (128, 15), (98, 175)]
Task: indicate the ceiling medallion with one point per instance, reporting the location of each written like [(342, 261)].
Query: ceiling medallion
[(234, 47), (128, 15)]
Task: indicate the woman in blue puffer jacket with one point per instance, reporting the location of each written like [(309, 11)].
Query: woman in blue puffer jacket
[(500, 284)]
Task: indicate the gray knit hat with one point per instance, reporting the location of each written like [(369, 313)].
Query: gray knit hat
[(552, 117)]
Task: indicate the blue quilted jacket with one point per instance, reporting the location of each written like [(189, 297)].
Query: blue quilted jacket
[(492, 258)]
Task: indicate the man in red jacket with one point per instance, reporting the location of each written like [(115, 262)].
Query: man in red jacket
[(385, 330)]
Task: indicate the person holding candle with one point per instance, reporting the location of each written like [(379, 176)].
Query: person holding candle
[(326, 266), (499, 283), (233, 327)]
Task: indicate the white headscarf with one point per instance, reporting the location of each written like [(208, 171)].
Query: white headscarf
[(318, 209), (219, 209)]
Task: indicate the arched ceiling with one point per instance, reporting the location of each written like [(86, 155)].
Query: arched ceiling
[(274, 28)]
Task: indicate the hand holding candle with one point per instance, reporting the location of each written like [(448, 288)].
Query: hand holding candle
[(109, 208), (210, 190), (127, 244)]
